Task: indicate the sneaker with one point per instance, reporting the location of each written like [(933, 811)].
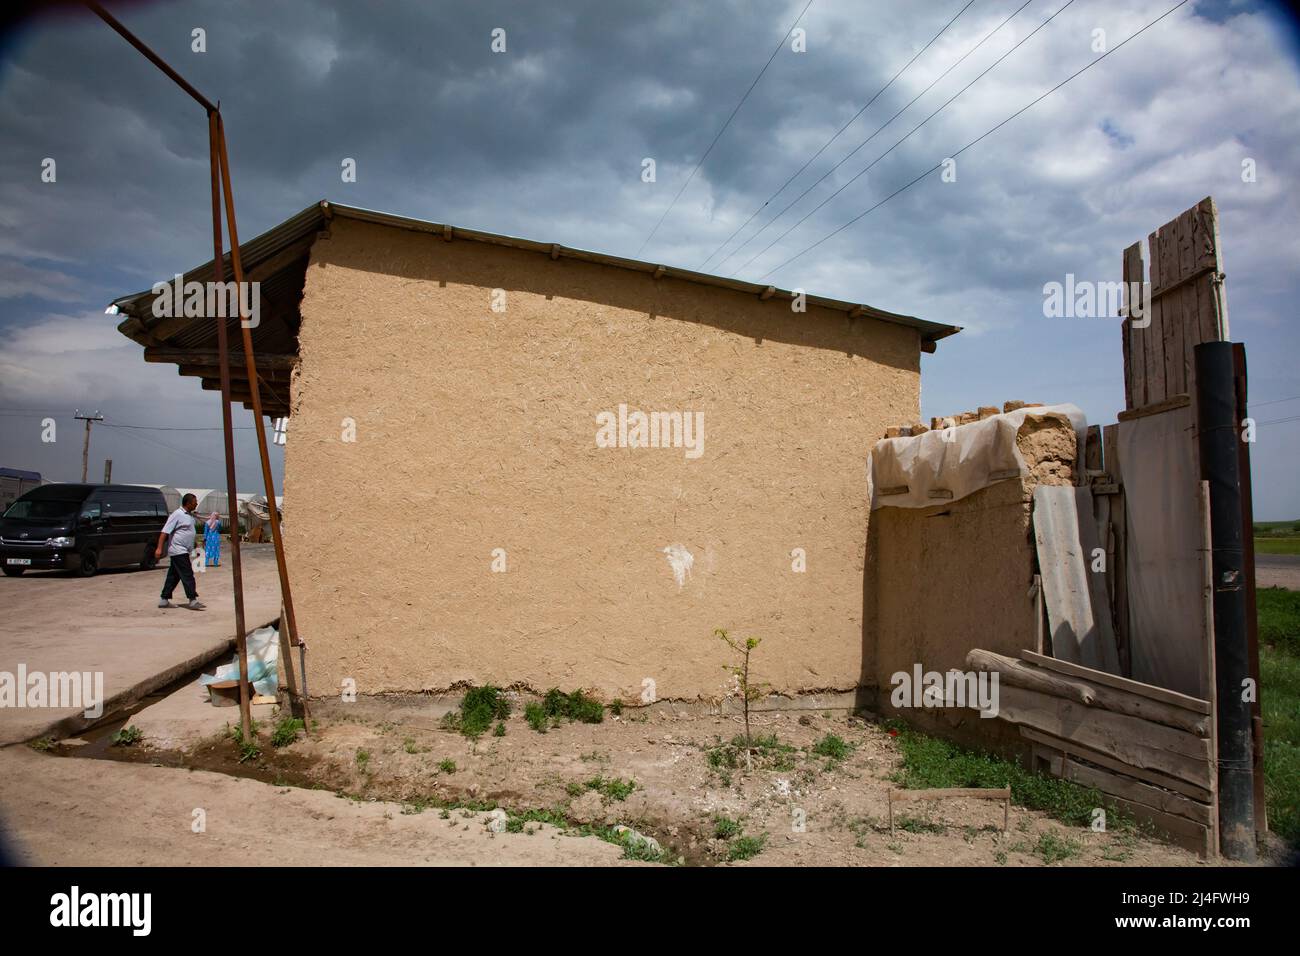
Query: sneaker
[(163, 602), (196, 605)]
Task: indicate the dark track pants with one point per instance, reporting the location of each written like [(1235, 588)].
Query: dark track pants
[(180, 571)]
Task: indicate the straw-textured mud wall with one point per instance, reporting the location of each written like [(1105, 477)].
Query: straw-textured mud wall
[(957, 576), (475, 530)]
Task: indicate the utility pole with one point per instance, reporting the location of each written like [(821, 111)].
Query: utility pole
[(85, 447)]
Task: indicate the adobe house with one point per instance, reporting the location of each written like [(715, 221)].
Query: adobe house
[(515, 462)]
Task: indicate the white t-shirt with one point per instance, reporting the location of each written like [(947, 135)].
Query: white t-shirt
[(180, 525)]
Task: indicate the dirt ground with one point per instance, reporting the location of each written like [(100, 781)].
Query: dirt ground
[(75, 812), (54, 621), (811, 811)]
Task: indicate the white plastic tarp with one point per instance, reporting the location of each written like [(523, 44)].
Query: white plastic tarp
[(263, 663), (960, 460)]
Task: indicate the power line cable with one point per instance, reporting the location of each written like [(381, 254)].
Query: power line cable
[(851, 121), (162, 428), (779, 45), (862, 172), (1276, 401), (172, 448), (973, 142)]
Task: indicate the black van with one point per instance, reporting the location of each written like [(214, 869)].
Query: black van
[(81, 528)]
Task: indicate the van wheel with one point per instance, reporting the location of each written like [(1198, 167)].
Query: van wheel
[(148, 562), (89, 564), (13, 572)]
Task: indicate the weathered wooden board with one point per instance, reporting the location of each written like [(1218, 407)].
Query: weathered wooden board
[(1135, 389), (1129, 739), (1178, 830), (1194, 704), (1202, 794), (1078, 609), (1118, 785), (1116, 584), (1092, 694), (1185, 308), (1161, 471)]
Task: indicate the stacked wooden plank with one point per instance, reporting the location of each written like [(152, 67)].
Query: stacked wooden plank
[(1150, 750)]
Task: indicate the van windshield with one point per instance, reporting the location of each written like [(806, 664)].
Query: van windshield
[(43, 509)]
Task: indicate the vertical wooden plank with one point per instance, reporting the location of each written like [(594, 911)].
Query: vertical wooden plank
[(1207, 636), (1119, 569), (1175, 330), (1134, 368), (1207, 256), (1153, 335), (1210, 217), (1126, 339), (1092, 449)]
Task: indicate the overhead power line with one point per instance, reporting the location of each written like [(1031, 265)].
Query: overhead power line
[(168, 428), (775, 51), (1276, 401), (852, 119), (826, 175), (862, 172), (975, 141)]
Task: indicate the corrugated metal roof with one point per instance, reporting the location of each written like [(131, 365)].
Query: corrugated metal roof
[(282, 252)]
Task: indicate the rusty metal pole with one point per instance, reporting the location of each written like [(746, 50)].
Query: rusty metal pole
[(223, 350), (250, 365), (214, 159), (151, 56)]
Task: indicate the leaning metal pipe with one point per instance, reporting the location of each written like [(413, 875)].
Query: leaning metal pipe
[(1216, 404)]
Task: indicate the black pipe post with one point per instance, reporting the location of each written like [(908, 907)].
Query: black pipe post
[(1216, 411)]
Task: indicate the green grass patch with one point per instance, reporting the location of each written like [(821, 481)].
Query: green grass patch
[(1279, 619), (836, 748), (128, 736), (930, 762), (1053, 849), (480, 708), (917, 825), (725, 828), (42, 744), (576, 705), (535, 714), (448, 766), (766, 753), (1279, 671), (1280, 697), (746, 847), (612, 788), (1278, 545), (286, 731)]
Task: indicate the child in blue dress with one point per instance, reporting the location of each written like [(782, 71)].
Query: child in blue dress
[(212, 541)]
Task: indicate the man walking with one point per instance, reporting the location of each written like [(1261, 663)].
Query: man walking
[(180, 527)]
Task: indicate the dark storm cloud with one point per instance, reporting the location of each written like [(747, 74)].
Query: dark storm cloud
[(547, 141)]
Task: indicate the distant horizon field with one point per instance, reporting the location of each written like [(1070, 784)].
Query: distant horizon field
[(1277, 537)]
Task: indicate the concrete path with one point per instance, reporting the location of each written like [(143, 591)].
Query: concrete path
[(110, 624), (187, 717), (75, 811)]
